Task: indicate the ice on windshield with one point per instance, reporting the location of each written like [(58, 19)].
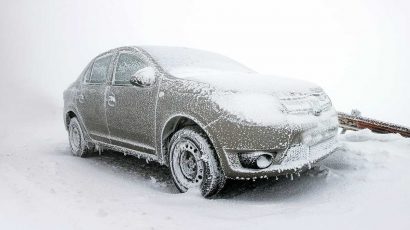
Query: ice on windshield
[(179, 60)]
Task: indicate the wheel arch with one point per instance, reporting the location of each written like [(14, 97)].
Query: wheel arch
[(71, 113), (172, 125), (68, 116)]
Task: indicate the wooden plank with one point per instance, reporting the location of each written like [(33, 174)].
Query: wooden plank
[(354, 122)]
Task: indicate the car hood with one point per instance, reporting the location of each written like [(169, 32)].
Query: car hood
[(260, 99), (247, 82)]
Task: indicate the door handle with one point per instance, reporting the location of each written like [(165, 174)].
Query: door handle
[(81, 98), (111, 100)]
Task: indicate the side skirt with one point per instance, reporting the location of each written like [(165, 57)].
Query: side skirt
[(126, 151)]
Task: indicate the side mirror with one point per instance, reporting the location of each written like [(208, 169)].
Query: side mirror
[(144, 77)]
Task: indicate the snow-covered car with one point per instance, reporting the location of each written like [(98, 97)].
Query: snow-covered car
[(204, 115)]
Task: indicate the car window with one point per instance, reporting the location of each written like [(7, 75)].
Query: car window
[(127, 65), (100, 68)]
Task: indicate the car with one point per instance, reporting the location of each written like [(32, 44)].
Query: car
[(205, 116)]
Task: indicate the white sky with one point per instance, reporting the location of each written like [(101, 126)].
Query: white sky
[(358, 51)]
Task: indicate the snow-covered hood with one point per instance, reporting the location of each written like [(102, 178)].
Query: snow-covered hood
[(246, 82)]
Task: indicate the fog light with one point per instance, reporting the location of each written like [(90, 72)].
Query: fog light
[(256, 160), (263, 161)]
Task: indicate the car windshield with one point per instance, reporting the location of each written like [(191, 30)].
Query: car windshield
[(177, 60)]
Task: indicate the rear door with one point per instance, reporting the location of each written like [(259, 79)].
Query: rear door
[(131, 109), (91, 99)]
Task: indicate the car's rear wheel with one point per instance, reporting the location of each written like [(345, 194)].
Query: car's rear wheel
[(194, 163), (78, 144)]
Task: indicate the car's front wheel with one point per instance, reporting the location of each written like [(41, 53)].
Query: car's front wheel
[(194, 163), (78, 144)]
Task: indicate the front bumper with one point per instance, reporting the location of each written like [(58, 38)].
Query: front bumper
[(302, 143), (295, 159)]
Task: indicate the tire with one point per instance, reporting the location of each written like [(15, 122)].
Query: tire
[(194, 163), (78, 144)]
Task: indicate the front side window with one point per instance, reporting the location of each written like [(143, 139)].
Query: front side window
[(128, 64), (100, 68)]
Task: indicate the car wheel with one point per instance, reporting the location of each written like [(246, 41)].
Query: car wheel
[(78, 144), (194, 163)]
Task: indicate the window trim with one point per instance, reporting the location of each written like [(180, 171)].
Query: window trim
[(86, 71)]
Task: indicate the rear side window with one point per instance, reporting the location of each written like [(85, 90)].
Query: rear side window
[(99, 70), (127, 65)]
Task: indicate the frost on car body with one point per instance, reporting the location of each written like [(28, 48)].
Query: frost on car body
[(137, 100)]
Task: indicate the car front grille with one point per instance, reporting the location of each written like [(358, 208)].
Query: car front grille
[(302, 103)]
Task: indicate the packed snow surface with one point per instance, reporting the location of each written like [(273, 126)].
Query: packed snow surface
[(42, 186)]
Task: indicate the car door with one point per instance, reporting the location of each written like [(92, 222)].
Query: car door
[(91, 98), (131, 109)]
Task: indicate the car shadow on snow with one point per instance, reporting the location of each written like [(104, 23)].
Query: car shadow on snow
[(154, 174), (281, 188), (304, 186), (291, 187)]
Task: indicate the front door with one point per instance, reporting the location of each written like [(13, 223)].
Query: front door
[(91, 98), (131, 109)]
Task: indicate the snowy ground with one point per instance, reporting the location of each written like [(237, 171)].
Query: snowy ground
[(42, 186)]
